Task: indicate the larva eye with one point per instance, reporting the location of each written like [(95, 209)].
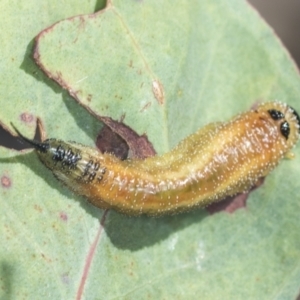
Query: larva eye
[(285, 129), (275, 114)]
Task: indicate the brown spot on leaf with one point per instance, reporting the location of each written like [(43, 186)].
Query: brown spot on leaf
[(47, 259), (89, 98), (5, 182), (38, 208), (63, 216), (27, 117), (148, 104), (158, 91)]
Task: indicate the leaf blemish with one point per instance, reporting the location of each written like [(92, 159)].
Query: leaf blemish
[(63, 216), (89, 98), (27, 117), (5, 182), (147, 105), (38, 208), (158, 91)]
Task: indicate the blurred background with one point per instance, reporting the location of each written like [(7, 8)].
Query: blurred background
[(284, 18)]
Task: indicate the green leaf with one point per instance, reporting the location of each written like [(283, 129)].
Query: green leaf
[(212, 59)]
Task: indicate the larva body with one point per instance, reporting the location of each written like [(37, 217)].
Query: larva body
[(219, 160)]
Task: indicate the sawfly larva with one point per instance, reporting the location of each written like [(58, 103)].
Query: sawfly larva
[(219, 160)]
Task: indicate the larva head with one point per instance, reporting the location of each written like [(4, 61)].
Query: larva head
[(284, 118)]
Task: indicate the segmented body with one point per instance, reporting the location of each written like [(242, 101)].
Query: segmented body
[(219, 160)]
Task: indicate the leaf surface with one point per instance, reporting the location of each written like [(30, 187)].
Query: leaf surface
[(167, 69)]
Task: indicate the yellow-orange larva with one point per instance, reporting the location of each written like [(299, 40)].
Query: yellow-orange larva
[(219, 160)]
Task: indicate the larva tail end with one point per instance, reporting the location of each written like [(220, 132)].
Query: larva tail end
[(37, 145)]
